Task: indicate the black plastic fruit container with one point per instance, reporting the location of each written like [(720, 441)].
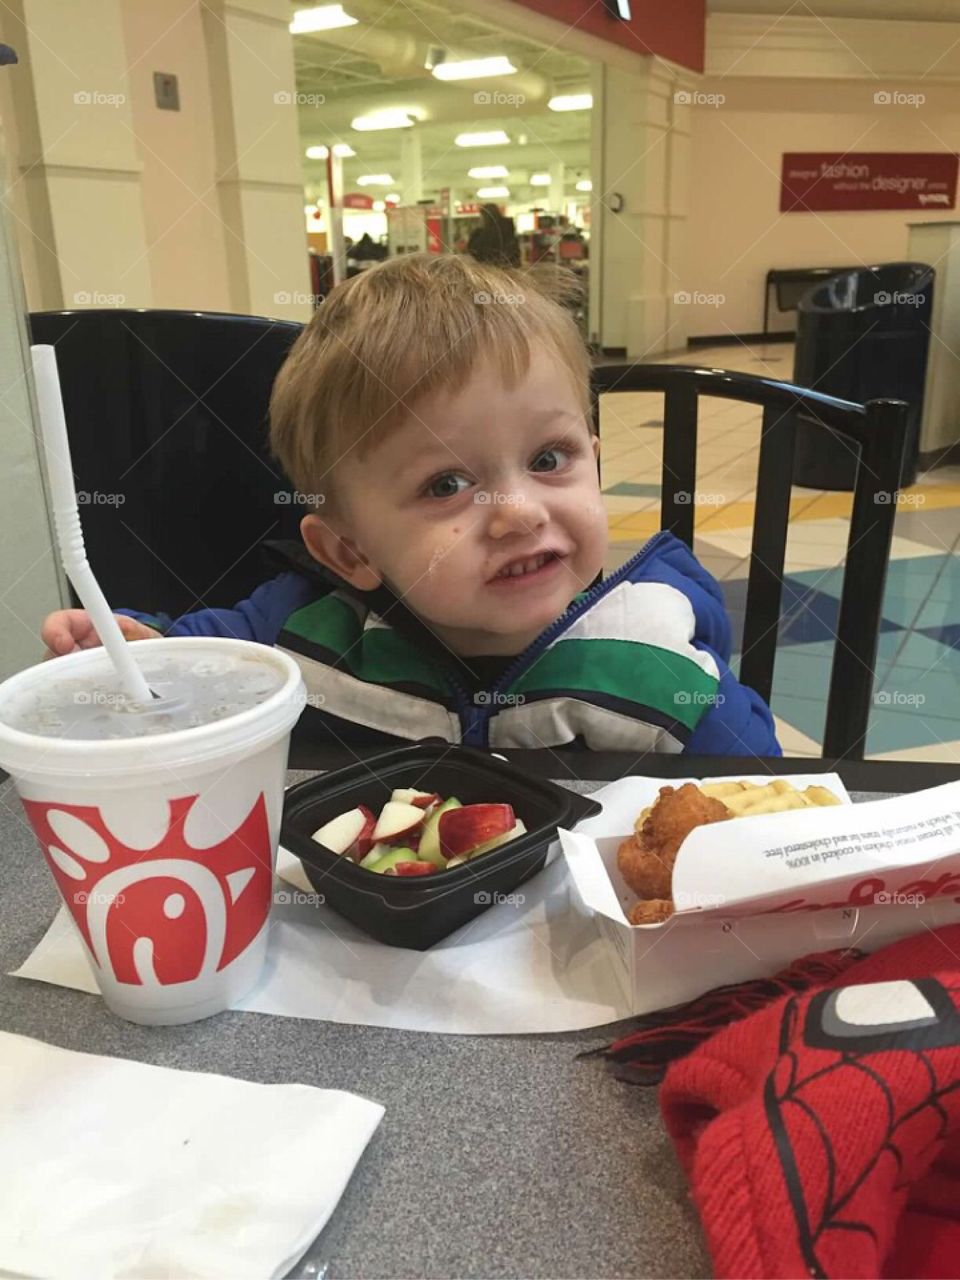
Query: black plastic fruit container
[(417, 911)]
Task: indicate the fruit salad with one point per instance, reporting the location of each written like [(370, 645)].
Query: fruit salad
[(419, 833)]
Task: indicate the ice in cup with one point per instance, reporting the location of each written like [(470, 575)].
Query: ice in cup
[(160, 826)]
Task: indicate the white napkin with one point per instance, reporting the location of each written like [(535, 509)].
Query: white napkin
[(532, 963), (110, 1168)]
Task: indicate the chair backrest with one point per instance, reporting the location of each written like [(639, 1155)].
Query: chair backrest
[(878, 429), (167, 418)]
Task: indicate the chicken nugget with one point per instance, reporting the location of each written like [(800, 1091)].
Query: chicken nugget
[(646, 859), (646, 873), (651, 911), (675, 815)]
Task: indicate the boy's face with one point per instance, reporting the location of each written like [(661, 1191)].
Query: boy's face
[(472, 484)]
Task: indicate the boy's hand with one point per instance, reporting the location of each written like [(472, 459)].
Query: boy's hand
[(68, 630)]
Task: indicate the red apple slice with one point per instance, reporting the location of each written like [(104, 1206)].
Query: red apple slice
[(414, 868), (409, 795), (462, 830), (397, 820), (518, 829), (341, 833), (364, 842)]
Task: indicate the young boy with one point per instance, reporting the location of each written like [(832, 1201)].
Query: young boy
[(436, 413)]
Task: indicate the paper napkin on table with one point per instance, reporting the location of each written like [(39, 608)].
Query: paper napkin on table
[(111, 1168)]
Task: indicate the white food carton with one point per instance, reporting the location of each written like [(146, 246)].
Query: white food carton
[(754, 894)]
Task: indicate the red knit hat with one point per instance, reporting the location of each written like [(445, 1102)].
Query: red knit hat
[(821, 1134)]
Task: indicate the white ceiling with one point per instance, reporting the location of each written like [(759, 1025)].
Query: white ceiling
[(352, 82)]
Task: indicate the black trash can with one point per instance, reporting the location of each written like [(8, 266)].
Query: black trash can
[(861, 335)]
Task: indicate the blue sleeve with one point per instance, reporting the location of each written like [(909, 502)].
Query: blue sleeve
[(260, 618), (738, 724)]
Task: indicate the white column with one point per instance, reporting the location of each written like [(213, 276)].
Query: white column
[(250, 57), (938, 243), (31, 583), (557, 172), (411, 167), (75, 195), (638, 166)]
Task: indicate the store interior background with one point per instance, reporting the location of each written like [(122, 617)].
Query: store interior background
[(668, 182)]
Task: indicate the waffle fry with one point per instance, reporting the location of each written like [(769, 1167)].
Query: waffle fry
[(646, 859), (752, 799)]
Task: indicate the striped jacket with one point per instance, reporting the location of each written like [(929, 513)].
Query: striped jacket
[(637, 663)]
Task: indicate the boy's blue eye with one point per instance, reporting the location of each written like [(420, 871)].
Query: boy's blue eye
[(553, 458), (445, 486)]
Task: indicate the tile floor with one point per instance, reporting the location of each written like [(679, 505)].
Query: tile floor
[(916, 712)]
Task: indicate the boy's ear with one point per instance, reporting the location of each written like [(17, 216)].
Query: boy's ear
[(596, 446), (328, 545)]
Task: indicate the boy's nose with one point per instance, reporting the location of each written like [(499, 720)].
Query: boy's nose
[(513, 511)]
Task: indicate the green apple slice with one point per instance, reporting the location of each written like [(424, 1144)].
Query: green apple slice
[(433, 856), (377, 851), (429, 847), (390, 860)]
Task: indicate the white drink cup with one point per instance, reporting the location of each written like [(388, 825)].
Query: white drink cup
[(163, 846)]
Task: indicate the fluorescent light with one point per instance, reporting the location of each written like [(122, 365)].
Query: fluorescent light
[(571, 102), (342, 149), (539, 179), (493, 193), (375, 180), (390, 118), (488, 171), (492, 138), (325, 17), (474, 69), (584, 185)]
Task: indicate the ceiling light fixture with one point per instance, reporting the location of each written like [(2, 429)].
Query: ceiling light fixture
[(325, 17), (488, 171), (571, 102), (539, 179), (493, 193), (584, 185), (390, 118), (492, 138), (342, 149), (473, 69), (375, 180)]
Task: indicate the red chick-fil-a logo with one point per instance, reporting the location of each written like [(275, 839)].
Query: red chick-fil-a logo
[(876, 891), (166, 914)]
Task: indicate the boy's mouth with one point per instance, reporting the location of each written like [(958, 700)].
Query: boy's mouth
[(526, 567)]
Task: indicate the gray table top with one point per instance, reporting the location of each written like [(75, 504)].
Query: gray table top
[(498, 1156)]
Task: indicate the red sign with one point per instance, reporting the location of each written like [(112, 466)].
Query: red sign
[(674, 31), (823, 182), (357, 200)]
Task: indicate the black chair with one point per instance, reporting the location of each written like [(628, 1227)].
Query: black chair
[(878, 429), (167, 419)]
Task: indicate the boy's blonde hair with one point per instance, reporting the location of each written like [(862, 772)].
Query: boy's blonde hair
[(384, 340)]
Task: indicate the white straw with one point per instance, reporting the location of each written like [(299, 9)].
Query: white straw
[(53, 426)]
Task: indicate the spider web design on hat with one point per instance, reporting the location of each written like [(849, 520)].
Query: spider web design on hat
[(861, 1042)]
